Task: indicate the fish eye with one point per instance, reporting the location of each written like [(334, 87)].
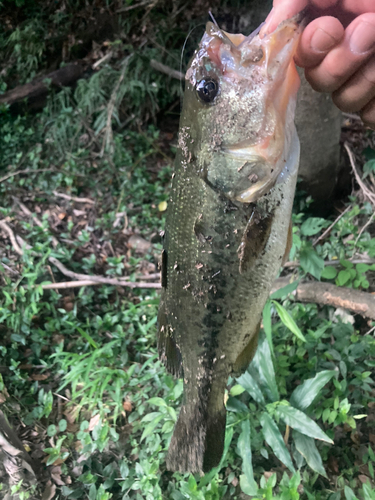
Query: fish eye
[(207, 89)]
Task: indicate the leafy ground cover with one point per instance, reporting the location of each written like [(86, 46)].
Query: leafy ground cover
[(84, 184)]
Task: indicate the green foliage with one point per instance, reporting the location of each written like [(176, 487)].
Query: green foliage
[(311, 381)]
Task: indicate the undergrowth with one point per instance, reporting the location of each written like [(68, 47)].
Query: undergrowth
[(80, 379)]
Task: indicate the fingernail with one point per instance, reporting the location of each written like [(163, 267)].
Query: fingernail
[(321, 41), (363, 38)]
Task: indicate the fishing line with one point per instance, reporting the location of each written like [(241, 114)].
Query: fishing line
[(213, 19), (182, 56)]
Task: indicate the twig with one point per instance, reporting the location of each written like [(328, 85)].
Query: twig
[(51, 274), (364, 227), (12, 238), (80, 279), (94, 280), (296, 263), (173, 73), (327, 231), (12, 271), (74, 198), (352, 116), (135, 6), (366, 192), (62, 397), (39, 223), (102, 60), (27, 171), (109, 281), (362, 303)]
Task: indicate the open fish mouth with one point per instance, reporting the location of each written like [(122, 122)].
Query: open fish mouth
[(264, 68)]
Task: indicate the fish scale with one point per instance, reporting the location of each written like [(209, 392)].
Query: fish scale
[(220, 254)]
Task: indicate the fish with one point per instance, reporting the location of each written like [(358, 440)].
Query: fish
[(228, 223)]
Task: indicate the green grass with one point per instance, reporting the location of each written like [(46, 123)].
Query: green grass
[(79, 370)]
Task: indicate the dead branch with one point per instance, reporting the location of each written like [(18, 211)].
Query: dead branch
[(27, 171), (105, 58), (107, 281), (4, 225), (173, 73), (74, 198), (295, 263), (90, 280), (328, 230), (135, 6), (358, 302), (38, 88), (27, 212), (367, 193), (80, 279)]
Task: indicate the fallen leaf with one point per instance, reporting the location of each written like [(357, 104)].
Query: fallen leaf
[(127, 406), (139, 244), (235, 482), (40, 376), (77, 213), (49, 491), (78, 446), (94, 422), (363, 478), (333, 464), (71, 414)]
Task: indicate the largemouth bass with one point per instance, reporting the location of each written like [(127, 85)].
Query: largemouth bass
[(227, 224)]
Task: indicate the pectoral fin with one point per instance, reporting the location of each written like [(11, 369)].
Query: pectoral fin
[(245, 357), (254, 239), (169, 353), (289, 243)]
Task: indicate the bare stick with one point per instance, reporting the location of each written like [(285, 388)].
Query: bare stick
[(296, 263), (358, 302), (27, 171), (12, 271), (80, 279), (39, 223), (12, 238), (74, 198), (95, 280), (102, 60), (369, 195), (173, 73), (327, 231), (135, 6), (109, 281), (365, 227)]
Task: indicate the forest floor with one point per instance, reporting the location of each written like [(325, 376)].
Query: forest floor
[(84, 182)]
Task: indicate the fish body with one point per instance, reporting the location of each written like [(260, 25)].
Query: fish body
[(227, 223)]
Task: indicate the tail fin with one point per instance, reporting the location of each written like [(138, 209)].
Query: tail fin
[(198, 440)]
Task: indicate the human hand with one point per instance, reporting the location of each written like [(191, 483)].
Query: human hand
[(337, 50)]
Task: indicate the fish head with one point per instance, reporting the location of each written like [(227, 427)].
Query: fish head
[(240, 95)]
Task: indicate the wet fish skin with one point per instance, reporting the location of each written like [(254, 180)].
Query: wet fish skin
[(227, 225)]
